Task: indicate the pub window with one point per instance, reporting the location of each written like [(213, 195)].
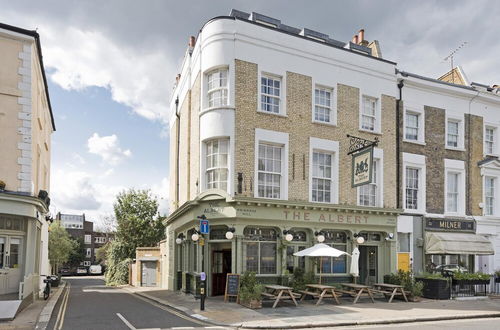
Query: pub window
[(328, 265), (218, 233), (260, 252), (297, 244)]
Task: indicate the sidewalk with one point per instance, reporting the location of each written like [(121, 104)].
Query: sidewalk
[(328, 314), (28, 317)]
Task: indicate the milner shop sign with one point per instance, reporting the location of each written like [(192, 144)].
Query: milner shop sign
[(450, 225)]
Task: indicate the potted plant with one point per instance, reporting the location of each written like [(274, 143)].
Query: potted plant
[(406, 279), (435, 286), (497, 276), (460, 278), (2, 185), (250, 291)]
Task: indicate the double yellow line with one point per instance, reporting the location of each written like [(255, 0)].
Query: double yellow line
[(62, 309)]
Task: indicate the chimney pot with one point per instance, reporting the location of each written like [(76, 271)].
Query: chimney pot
[(178, 77), (355, 39), (361, 35), (192, 41)]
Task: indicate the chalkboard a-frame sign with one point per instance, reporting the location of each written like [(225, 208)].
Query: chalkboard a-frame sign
[(232, 287)]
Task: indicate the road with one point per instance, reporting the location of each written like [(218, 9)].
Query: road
[(88, 304), (468, 324)]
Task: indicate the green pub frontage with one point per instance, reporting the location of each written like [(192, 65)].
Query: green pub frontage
[(261, 235)]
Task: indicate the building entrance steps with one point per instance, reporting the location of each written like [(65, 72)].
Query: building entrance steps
[(308, 314)]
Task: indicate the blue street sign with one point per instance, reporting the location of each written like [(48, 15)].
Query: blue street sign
[(204, 226), (203, 276)]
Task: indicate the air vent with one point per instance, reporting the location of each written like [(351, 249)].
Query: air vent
[(266, 20), (358, 48), (314, 35), (239, 14)]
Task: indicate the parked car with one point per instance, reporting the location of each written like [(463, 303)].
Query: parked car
[(82, 270), (95, 270), (65, 271), (450, 269)]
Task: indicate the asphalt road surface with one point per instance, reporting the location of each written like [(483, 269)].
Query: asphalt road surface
[(467, 324), (88, 304)]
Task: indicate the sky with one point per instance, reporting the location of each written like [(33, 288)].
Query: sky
[(111, 67)]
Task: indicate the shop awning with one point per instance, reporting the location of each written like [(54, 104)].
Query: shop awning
[(457, 243)]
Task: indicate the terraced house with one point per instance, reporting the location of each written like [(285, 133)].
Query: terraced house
[(26, 125), (261, 114), (449, 172)]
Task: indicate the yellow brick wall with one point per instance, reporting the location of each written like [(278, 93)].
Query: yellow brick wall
[(300, 127)]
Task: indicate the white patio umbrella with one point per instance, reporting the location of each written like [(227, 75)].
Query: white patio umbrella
[(355, 263), (320, 250)]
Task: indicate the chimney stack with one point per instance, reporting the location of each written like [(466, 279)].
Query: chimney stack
[(361, 36), (192, 42), (177, 78)]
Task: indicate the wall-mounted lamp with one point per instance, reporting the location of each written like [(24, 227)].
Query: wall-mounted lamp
[(180, 238), (389, 236), (288, 235), (320, 236), (230, 233), (359, 239), (196, 236)]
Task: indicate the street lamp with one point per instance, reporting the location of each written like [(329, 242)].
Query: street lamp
[(359, 239), (320, 236), (288, 235), (180, 238), (230, 233)]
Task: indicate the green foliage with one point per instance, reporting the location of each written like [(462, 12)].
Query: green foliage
[(138, 225), (497, 273), (78, 254), (300, 278), (118, 265), (407, 281), (61, 246), (102, 253), (250, 288), (433, 276), (459, 276), (138, 222)]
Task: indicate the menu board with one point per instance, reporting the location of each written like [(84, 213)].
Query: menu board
[(232, 286)]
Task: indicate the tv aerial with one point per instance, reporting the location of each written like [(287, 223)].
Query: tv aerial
[(450, 57)]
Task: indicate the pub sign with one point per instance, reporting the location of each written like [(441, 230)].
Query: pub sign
[(362, 167)]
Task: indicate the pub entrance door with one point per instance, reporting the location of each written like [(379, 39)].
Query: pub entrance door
[(368, 260), (221, 266)]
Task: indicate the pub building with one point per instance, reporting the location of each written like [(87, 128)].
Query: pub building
[(261, 236)]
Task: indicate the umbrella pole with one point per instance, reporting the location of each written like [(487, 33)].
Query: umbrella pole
[(320, 268)]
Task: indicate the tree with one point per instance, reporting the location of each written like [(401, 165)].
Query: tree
[(137, 224), (77, 255), (138, 221), (61, 246)]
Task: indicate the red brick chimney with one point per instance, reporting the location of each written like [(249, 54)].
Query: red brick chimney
[(361, 36), (355, 39)]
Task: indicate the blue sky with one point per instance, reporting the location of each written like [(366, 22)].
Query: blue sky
[(111, 66)]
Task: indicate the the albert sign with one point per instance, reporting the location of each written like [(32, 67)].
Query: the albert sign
[(362, 167)]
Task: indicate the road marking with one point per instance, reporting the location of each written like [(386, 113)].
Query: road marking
[(62, 309), (127, 323), (170, 310)]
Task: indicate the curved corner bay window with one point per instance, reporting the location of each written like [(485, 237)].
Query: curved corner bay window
[(269, 165), (329, 265), (260, 250), (216, 163), (217, 88), (298, 243)]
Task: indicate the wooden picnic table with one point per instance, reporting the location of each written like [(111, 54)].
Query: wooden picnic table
[(279, 292), (357, 290), (390, 290), (320, 291)]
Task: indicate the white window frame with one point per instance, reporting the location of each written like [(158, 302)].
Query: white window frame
[(417, 162), (220, 88), (203, 161), (206, 169), (460, 120), (458, 167), (332, 108), (86, 263), (277, 138), (282, 98), (378, 159), (87, 239), (88, 252), (419, 111), (494, 196), (496, 140), (377, 125), (331, 147), (491, 170)]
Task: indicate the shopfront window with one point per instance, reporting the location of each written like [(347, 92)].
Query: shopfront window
[(2, 251), (297, 244), (15, 251), (260, 250), (217, 233), (327, 265), (447, 263)]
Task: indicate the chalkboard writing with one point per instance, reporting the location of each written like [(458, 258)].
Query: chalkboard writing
[(232, 286)]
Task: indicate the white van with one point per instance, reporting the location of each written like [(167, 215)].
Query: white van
[(95, 270)]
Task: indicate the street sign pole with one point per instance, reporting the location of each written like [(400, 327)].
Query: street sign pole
[(204, 229)]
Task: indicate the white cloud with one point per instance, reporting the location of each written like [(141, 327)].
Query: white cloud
[(108, 147)]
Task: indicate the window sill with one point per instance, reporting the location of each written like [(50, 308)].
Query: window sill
[(412, 211), (332, 123), (455, 148), (225, 107), (272, 113), (414, 142), (371, 132), (454, 214), (491, 155)]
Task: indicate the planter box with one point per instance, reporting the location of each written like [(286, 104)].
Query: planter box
[(497, 279), (435, 289), (470, 282), (252, 304)]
